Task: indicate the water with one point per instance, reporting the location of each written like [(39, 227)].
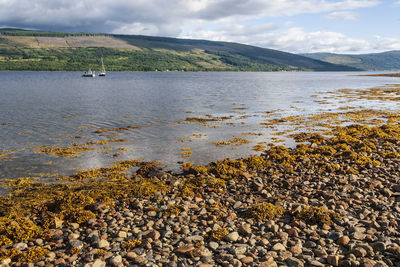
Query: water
[(54, 108)]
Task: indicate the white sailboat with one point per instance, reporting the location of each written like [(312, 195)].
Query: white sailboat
[(89, 73), (103, 71)]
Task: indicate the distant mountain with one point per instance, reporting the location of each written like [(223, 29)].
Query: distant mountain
[(42, 50), (377, 61)]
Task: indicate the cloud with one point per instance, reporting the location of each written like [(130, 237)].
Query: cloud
[(223, 20), (154, 16), (342, 15), (295, 39), (386, 43)]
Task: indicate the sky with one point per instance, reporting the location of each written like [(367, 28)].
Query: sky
[(297, 26)]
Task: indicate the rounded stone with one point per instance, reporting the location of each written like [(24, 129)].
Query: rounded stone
[(232, 237), (342, 241)]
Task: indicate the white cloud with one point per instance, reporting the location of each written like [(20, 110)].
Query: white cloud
[(154, 16), (296, 39), (342, 15), (223, 20), (386, 43)]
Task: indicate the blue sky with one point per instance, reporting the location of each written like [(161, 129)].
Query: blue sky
[(298, 26)]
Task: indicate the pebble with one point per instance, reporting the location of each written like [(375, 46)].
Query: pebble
[(294, 262), (247, 260), (213, 245), (342, 241), (232, 237), (98, 263), (117, 260), (278, 247), (76, 244), (185, 249), (333, 260), (21, 246), (140, 260), (365, 235), (296, 250), (39, 241), (245, 229), (103, 243)]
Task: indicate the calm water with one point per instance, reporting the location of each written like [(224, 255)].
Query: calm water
[(54, 108)]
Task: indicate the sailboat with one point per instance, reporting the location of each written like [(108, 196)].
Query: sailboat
[(89, 73), (103, 71)]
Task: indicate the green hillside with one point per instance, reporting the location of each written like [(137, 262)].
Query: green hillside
[(377, 61), (43, 50)]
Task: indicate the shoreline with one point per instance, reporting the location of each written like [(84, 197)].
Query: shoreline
[(382, 75), (329, 201)]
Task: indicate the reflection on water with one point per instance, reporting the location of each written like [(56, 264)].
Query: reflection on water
[(149, 112)]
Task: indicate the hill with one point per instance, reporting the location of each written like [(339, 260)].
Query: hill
[(376, 61), (42, 50)]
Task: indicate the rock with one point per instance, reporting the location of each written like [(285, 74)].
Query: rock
[(296, 250), (333, 259), (380, 264), (116, 261), (321, 252), (74, 225), (152, 213), (213, 245), (21, 246), (57, 223), (51, 255), (358, 236), (155, 235), (394, 250), (292, 261), (5, 262), (140, 260), (245, 229), (283, 236), (278, 247), (359, 252), (368, 249), (379, 246), (185, 249), (232, 237), (342, 241), (122, 234), (39, 241), (269, 263), (246, 260), (239, 250), (387, 192), (76, 244), (237, 205), (195, 238), (346, 263), (317, 264), (131, 255), (284, 255), (103, 243), (59, 261), (293, 232), (367, 263), (98, 263)]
